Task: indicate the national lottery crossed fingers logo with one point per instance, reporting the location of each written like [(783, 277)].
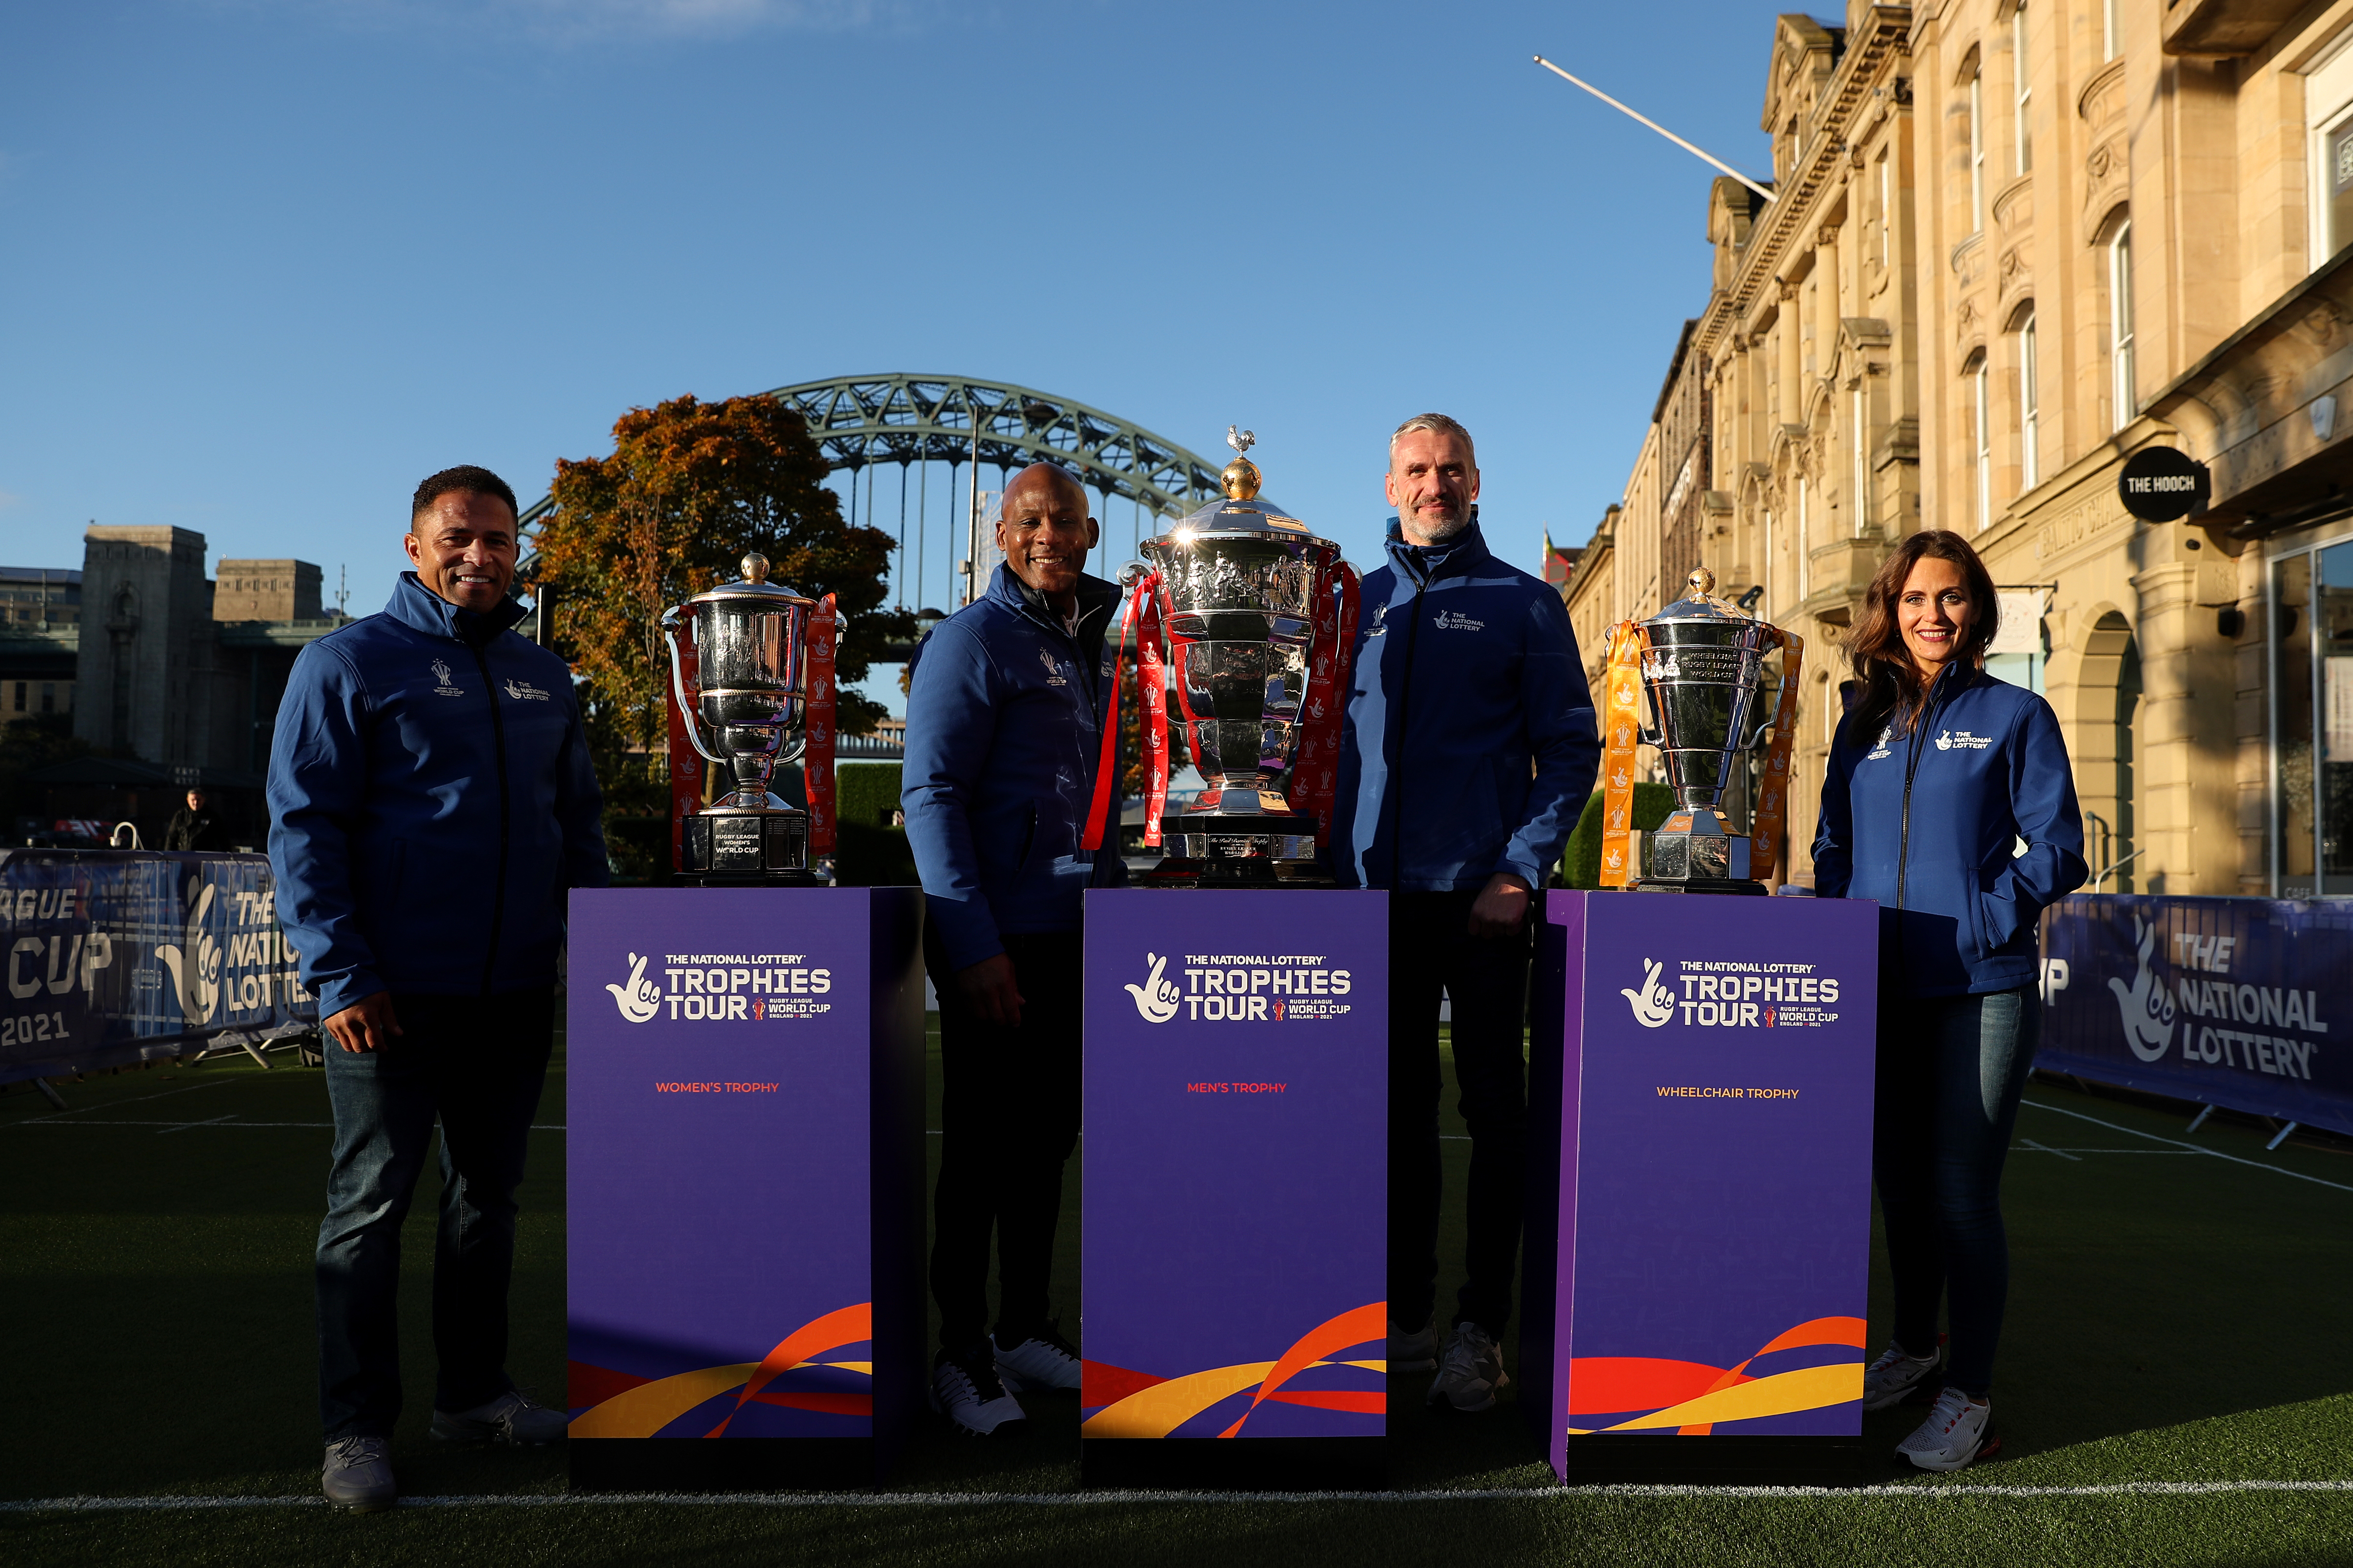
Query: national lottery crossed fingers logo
[(1733, 994), (722, 987), (1240, 988)]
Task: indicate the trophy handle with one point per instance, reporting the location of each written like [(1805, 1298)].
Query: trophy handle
[(678, 688)]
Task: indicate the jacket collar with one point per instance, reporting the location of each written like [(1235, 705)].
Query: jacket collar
[(1095, 596), (416, 605), (1426, 563)]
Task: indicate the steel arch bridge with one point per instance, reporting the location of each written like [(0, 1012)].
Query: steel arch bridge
[(866, 421)]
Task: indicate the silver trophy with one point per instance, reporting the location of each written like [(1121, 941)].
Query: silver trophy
[(1703, 666), (1238, 583), (751, 645)]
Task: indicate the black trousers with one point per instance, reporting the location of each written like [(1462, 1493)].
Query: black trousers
[(1430, 950), (1008, 1121)]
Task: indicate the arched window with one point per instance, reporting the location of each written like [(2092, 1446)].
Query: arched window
[(2029, 408), (2123, 389), (1981, 437), (1977, 152), (2024, 89)]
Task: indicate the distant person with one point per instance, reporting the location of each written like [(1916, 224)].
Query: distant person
[(194, 829), (1004, 724), (430, 801), (1467, 751), (1938, 772)]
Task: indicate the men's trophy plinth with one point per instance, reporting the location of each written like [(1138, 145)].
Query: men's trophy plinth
[(757, 646), (1234, 1255), (1702, 660), (1257, 613)]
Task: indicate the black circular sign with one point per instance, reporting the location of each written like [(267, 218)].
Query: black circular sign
[(2163, 484)]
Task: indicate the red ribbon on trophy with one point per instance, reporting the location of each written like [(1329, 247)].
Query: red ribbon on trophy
[(1772, 795), (685, 762), (1316, 766), (817, 728), (1143, 619)]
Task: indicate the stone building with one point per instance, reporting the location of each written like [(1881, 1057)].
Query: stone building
[(2010, 245)]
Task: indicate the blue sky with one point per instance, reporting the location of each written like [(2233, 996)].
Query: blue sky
[(265, 264)]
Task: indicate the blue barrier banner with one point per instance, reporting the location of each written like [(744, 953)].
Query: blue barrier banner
[(2240, 1003), (122, 956)]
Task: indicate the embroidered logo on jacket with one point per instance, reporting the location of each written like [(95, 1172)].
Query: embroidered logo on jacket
[(1962, 739), (441, 674), (524, 691), (1053, 670), (1456, 621)]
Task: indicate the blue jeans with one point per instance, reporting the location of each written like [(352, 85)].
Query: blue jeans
[(476, 1063), (1950, 1071)]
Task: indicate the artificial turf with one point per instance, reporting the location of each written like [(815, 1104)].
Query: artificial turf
[(2174, 1319)]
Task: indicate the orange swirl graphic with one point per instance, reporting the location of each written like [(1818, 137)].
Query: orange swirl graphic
[(1692, 1396), (1139, 1405), (642, 1409)]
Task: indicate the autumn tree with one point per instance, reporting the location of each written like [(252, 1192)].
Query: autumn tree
[(689, 489)]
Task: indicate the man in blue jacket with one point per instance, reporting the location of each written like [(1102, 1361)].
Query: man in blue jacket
[(1004, 720), (430, 801), (1467, 751)]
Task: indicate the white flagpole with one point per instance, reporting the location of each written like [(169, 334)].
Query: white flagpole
[(1657, 127)]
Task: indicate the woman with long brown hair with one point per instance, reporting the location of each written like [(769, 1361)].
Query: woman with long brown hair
[(1948, 799)]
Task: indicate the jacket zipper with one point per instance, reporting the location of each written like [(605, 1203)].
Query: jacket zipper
[(1405, 705), (499, 889), (1911, 768)]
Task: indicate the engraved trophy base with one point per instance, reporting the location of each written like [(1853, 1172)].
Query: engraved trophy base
[(1232, 839), (747, 846), (1691, 853)]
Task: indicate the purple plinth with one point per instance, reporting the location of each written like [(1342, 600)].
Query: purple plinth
[(745, 1069), (1236, 1176), (1699, 1229)]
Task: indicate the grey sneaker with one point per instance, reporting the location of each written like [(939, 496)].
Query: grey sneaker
[(1044, 1360), (1470, 1373), (1414, 1352), (1959, 1431), (358, 1474), (514, 1417), (1893, 1376), (967, 1391)]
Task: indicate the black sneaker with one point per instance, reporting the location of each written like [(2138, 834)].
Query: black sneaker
[(1042, 1360), (966, 1390)]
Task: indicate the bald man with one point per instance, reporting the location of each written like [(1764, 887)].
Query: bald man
[(1004, 708)]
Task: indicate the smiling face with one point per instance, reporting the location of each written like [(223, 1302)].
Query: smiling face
[(1432, 482), (1045, 532), (1933, 613), (464, 549)]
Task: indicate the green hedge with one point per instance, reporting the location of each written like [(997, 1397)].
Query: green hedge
[(1581, 867), (865, 794), (868, 851)]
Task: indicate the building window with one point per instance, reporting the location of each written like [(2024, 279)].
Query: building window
[(2312, 721), (48, 697), (2124, 389), (2328, 105), (1886, 213), (20, 696), (2025, 130), (1977, 153), (1802, 546), (1981, 437), (1859, 406), (2030, 410)]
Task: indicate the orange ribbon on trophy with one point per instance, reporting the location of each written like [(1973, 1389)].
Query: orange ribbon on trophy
[(1621, 728), (1772, 794)]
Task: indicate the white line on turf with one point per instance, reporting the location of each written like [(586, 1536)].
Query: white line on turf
[(83, 1111), (2193, 1148), (228, 1124), (2062, 1154), (1893, 1491)]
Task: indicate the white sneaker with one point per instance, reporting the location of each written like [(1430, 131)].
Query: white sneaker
[(1894, 1375), (358, 1474), (514, 1417), (966, 1390), (1472, 1374), (1044, 1360), (1415, 1352), (1955, 1433)]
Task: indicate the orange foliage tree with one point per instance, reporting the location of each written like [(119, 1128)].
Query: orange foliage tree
[(689, 489)]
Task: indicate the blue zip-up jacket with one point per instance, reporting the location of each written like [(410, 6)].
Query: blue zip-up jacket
[(430, 800), (1004, 732), (1927, 824), (1469, 745)]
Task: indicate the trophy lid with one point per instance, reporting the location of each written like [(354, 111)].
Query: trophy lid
[(1243, 511), (1701, 605), (755, 590)]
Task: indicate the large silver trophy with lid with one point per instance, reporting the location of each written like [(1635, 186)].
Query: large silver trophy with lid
[(751, 643), (1238, 584), (1702, 664)]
